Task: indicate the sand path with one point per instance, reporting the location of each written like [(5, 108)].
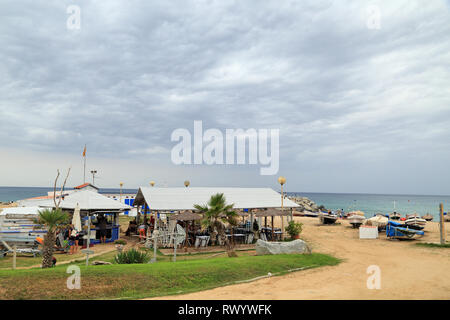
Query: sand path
[(407, 271)]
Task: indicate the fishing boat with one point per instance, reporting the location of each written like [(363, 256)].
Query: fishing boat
[(327, 217), (17, 228), (415, 222), (395, 230), (395, 216), (427, 217), (356, 220), (379, 220)]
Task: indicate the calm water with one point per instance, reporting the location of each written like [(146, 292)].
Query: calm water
[(19, 193), (369, 203)]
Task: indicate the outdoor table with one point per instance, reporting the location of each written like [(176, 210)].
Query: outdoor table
[(201, 241), (240, 236)]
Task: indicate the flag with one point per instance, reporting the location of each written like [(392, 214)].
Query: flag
[(84, 152)]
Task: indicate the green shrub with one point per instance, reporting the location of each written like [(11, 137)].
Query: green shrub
[(294, 228), (131, 256), (120, 241)]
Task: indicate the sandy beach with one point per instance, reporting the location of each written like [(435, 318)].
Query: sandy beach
[(407, 271)]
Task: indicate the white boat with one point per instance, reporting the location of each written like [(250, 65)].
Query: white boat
[(415, 222), (17, 228), (379, 221), (356, 220)]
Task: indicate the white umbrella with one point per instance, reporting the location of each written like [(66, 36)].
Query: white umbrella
[(76, 219)]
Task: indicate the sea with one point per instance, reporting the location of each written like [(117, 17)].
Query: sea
[(370, 204)]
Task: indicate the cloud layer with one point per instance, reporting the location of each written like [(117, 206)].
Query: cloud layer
[(358, 109)]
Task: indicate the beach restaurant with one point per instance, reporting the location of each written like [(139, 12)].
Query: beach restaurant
[(92, 204), (161, 203)]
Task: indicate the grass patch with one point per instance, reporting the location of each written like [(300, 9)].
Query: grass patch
[(433, 245), (150, 280)]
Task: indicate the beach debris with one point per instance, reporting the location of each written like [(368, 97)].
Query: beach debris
[(296, 246), (100, 263)]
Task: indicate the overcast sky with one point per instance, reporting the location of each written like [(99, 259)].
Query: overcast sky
[(359, 108)]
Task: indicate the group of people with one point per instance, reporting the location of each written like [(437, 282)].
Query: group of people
[(142, 229)]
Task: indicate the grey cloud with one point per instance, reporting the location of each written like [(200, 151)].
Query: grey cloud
[(138, 70)]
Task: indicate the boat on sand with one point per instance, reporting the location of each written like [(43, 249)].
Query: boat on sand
[(327, 217), (356, 220), (379, 221), (415, 222), (396, 230), (427, 217), (395, 216)]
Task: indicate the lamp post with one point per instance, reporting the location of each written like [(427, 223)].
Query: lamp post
[(282, 181), (93, 172), (121, 185), (187, 183), (152, 183)]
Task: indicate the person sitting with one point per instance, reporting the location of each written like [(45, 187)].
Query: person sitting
[(132, 228)]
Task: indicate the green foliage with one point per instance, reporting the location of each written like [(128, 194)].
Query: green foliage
[(131, 256), (217, 211), (120, 241), (294, 228), (52, 219), (143, 280), (433, 245)]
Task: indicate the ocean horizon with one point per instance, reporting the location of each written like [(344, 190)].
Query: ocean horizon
[(370, 204)]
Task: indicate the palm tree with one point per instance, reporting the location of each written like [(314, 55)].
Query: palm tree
[(216, 214), (52, 219)]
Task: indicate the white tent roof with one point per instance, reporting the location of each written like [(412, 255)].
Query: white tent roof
[(20, 210), (185, 198), (88, 200)]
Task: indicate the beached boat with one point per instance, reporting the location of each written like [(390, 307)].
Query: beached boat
[(415, 222), (379, 221), (310, 214), (395, 216), (395, 230), (427, 217), (327, 218), (17, 228), (356, 220)]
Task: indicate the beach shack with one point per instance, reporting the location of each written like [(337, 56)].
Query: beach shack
[(160, 202), (92, 205)]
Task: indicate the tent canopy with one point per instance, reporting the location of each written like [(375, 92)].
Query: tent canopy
[(88, 201), (185, 198), (272, 213)]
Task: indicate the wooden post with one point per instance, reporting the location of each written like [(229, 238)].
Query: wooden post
[(272, 230), (14, 257), (442, 223)]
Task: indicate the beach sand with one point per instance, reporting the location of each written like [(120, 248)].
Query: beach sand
[(407, 271)]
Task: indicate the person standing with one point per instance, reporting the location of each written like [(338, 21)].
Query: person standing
[(102, 227)]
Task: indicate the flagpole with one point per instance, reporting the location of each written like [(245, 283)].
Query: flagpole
[(84, 156)]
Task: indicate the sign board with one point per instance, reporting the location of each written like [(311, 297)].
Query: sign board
[(368, 232), (87, 251)]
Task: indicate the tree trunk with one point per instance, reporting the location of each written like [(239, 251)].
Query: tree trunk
[(47, 251)]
